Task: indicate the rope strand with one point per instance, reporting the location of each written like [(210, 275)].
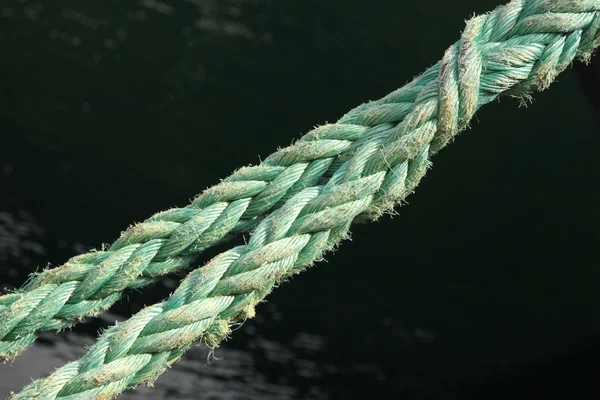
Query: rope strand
[(172, 240)]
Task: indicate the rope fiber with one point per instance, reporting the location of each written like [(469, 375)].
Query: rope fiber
[(352, 170)]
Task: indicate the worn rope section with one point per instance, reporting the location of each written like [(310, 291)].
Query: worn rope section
[(170, 241), (516, 49)]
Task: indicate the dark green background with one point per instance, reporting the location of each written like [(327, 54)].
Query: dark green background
[(486, 283)]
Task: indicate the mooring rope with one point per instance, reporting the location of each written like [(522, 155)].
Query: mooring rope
[(171, 240), (376, 155)]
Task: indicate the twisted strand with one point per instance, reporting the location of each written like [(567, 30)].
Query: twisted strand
[(516, 49), (171, 240)]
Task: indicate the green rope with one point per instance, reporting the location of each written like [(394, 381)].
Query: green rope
[(170, 241), (515, 50)]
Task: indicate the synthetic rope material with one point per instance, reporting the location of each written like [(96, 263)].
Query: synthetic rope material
[(516, 49), (171, 240)]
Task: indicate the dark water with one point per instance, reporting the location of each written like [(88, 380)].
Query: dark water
[(485, 285)]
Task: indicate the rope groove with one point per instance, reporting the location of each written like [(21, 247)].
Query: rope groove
[(355, 169)]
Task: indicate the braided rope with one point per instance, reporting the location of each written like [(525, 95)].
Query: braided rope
[(516, 49), (172, 240)]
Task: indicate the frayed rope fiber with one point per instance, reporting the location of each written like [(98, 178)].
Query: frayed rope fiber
[(337, 174)]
